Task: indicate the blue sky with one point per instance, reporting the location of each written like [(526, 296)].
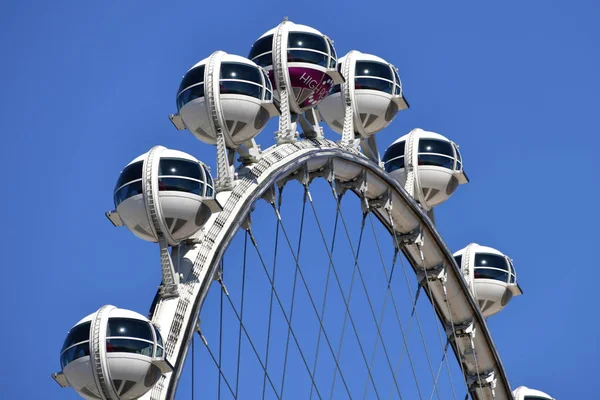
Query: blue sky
[(88, 86)]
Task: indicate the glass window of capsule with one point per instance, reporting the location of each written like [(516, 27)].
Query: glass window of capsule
[(76, 345), (123, 335), (492, 266), (174, 174), (244, 79), (191, 86), (235, 78), (302, 47), (374, 75), (436, 152)]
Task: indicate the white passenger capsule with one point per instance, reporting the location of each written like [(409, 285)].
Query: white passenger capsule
[(308, 63), (490, 275), (113, 351), (228, 92), (375, 92), (171, 185), (524, 393), (435, 161)]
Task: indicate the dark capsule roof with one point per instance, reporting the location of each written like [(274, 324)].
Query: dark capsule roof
[(129, 183), (235, 78), (77, 334), (374, 75), (435, 152), (260, 50), (191, 86), (491, 266), (244, 79), (394, 156), (123, 335), (302, 47), (378, 76), (174, 174), (126, 335), (192, 77)]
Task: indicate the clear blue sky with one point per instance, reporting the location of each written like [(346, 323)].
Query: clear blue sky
[(87, 86)]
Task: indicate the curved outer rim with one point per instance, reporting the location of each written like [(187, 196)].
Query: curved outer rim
[(251, 186)]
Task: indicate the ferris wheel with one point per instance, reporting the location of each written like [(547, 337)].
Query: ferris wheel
[(310, 269)]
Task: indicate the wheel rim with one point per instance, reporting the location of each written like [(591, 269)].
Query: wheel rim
[(178, 316)]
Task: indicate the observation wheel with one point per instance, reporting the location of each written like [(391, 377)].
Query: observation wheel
[(308, 270), (364, 200)]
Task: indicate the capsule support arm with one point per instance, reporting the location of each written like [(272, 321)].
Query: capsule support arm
[(177, 121), (114, 218), (369, 149), (309, 122), (402, 103), (59, 377)]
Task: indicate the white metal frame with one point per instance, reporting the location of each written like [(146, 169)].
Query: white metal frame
[(430, 258)]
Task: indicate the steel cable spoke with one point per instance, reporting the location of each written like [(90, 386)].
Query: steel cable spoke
[(309, 293), (193, 363), (437, 324), (387, 294), (375, 347), (271, 303), (378, 319), (459, 355), (356, 254), (335, 225), (445, 347), (415, 311), (251, 345), (472, 344), (404, 338), (325, 296), (237, 374), (221, 328), (446, 301), (254, 242), (221, 374), (341, 292), (287, 343), (405, 334), (437, 376), (347, 313)]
